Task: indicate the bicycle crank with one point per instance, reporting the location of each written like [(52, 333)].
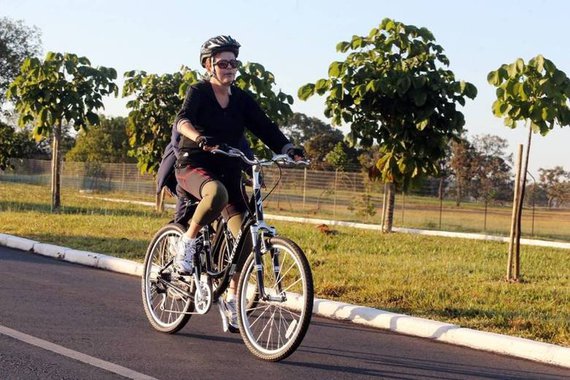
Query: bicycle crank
[(203, 295)]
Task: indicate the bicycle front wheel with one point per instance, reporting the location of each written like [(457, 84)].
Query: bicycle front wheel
[(273, 327), (165, 306)]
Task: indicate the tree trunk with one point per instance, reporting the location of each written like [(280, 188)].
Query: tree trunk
[(512, 241), (521, 202), (384, 206), (390, 189), (56, 169)]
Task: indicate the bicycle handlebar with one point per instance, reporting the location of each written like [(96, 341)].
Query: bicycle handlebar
[(278, 158)]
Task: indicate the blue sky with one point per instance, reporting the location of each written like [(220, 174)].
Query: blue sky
[(296, 40)]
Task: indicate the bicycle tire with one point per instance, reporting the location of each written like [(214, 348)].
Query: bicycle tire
[(159, 252), (266, 338)]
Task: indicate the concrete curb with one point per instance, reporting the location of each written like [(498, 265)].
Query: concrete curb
[(445, 332), (366, 316)]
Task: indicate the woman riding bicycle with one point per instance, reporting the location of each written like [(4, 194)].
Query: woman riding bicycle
[(216, 112)]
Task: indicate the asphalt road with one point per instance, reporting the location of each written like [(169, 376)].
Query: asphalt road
[(65, 321)]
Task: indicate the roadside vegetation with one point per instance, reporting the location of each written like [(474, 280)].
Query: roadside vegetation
[(451, 280)]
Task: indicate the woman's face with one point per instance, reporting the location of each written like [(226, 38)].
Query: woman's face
[(226, 75)]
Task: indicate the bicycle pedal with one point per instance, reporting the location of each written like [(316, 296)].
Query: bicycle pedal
[(225, 324)]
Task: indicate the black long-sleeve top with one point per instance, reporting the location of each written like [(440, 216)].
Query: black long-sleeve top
[(227, 125)]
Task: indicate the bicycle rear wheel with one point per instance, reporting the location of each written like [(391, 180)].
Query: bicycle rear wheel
[(272, 329), (220, 262), (165, 307)]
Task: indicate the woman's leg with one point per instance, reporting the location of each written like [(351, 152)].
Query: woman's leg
[(234, 224), (214, 200)]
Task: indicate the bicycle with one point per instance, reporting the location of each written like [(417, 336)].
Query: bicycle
[(275, 286)]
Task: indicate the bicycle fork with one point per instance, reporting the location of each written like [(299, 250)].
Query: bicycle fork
[(258, 248)]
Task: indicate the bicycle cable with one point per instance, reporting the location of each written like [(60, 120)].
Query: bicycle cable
[(276, 182)]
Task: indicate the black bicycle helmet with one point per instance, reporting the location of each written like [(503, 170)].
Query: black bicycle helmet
[(216, 45)]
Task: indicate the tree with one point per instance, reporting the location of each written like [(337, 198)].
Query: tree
[(342, 156), (535, 194), (106, 142), (491, 174), (491, 169), (63, 89), (17, 42), (392, 89), (460, 163), (556, 185), (157, 100), (536, 93), (300, 128), (318, 147), (7, 148)]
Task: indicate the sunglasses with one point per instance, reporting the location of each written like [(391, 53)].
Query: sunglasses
[(224, 64)]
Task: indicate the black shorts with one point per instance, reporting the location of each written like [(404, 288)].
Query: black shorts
[(192, 179)]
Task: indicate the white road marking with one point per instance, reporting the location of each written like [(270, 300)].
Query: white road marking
[(107, 366)]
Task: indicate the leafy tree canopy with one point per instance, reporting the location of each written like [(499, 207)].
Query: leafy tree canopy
[(343, 157), (318, 147), (491, 168), (393, 89), (17, 42), (156, 101), (300, 128), (556, 184), (64, 88), (106, 142), (536, 92)]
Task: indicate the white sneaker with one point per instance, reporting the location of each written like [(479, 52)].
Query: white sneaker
[(231, 313), (184, 260)]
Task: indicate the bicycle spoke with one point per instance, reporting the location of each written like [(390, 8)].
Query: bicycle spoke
[(286, 272), (293, 284), (165, 306), (271, 319), (252, 309), (289, 311), (262, 331), (272, 330), (260, 315)]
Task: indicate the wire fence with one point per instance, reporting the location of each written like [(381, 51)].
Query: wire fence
[(337, 195)]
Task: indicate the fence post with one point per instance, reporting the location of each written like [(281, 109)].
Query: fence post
[(334, 199), (304, 186), (123, 178), (403, 206)]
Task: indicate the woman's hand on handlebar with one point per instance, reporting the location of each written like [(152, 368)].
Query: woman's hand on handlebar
[(296, 153), (208, 143)]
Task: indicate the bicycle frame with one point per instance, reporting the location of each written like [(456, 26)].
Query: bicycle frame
[(258, 228), (254, 220)]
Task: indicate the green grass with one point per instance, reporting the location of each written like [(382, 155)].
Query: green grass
[(450, 280), (424, 212)]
